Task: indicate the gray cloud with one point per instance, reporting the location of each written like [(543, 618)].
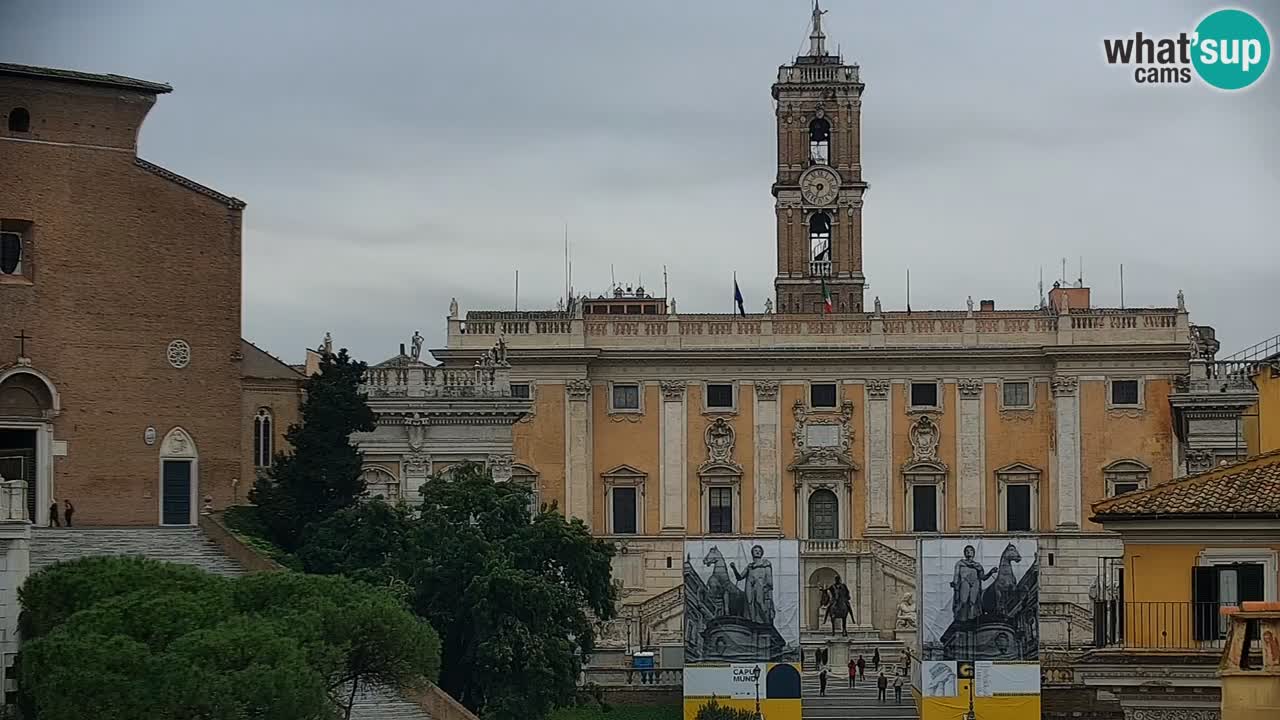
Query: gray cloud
[(397, 154)]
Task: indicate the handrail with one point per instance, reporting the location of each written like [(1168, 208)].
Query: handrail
[(1265, 349)]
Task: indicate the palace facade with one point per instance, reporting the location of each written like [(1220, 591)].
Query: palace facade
[(856, 429)]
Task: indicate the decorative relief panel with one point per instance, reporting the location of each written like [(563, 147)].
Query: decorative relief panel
[(1065, 385), (720, 438), (766, 389), (578, 389), (924, 440), (970, 387), (672, 390), (878, 389)]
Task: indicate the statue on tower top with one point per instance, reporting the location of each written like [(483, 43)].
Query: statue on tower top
[(817, 39)]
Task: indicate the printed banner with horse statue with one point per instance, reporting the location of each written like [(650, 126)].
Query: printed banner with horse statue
[(742, 600)]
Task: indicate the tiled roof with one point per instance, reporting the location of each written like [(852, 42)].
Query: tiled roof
[(1250, 488), (231, 202), (259, 363), (84, 78)]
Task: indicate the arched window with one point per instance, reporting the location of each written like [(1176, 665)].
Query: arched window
[(19, 120), (820, 241), (380, 483), (824, 522), (820, 140), (263, 439)]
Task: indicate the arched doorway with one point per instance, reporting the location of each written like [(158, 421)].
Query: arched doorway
[(824, 518), (28, 404), (179, 478), (822, 577)]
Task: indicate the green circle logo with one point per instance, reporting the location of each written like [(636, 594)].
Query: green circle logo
[(1232, 49)]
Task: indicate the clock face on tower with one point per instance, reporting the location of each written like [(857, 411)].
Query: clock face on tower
[(820, 185)]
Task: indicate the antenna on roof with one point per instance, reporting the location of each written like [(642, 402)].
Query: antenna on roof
[(1121, 286), (613, 281), (1041, 287), (1063, 278), (908, 289), (1080, 276), (665, 294), (517, 289)]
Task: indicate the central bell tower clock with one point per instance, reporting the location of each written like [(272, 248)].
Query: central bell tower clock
[(819, 187)]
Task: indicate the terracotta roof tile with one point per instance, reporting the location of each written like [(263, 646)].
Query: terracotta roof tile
[(1247, 488), (84, 78)]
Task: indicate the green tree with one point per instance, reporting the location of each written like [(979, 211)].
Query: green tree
[(167, 642), (512, 595), (321, 474)]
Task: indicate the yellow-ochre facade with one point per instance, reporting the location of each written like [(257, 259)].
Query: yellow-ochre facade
[(852, 427)]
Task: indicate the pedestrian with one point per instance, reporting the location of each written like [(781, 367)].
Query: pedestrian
[(897, 689), (70, 510), (53, 514), (853, 674), (882, 684), (875, 660), (822, 681), (862, 667)]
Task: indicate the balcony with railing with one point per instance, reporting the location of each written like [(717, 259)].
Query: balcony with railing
[(1193, 627), (819, 268)]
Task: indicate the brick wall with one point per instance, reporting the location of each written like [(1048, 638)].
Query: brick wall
[(125, 260)]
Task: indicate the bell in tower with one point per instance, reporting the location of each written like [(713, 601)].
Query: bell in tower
[(819, 187)]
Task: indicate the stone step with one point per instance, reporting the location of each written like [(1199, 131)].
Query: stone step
[(186, 545)]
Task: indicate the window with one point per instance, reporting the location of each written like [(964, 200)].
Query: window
[(263, 440), (822, 395), (380, 483), (924, 508), (1124, 392), (1017, 394), (626, 396), (525, 476), (1214, 586), (924, 394), (19, 120), (1018, 508), (624, 510), (824, 522), (1018, 490), (820, 141), (520, 391), (15, 240), (1124, 476), (720, 513), (820, 237), (720, 396)]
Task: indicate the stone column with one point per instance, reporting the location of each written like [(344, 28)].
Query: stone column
[(768, 510), (577, 476), (879, 456), (972, 489), (673, 452), (865, 589), (1067, 441)]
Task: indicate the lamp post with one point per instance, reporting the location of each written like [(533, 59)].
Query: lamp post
[(755, 677)]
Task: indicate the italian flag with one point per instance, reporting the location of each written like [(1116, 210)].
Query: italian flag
[(826, 298)]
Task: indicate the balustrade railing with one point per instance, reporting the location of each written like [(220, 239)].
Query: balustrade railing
[(819, 268)]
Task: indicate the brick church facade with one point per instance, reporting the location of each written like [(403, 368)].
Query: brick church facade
[(120, 349)]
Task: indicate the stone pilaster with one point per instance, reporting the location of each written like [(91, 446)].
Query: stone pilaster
[(879, 421), (768, 510), (577, 476), (674, 449), (1067, 441), (971, 432)]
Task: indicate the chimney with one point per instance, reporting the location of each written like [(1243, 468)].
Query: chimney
[(987, 306)]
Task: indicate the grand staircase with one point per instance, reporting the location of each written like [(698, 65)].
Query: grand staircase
[(841, 701), (187, 546)]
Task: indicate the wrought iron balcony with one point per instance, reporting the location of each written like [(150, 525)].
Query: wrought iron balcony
[(1189, 626)]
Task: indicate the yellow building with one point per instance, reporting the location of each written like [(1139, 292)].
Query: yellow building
[(1191, 547), (857, 429), (1261, 423)]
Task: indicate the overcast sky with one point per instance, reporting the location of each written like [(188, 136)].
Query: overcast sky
[(396, 154)]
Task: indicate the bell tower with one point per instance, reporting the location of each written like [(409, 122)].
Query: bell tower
[(819, 187)]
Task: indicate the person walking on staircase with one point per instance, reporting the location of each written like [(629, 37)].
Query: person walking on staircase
[(897, 689), (70, 510), (862, 667), (882, 684), (822, 680), (875, 661), (54, 520), (853, 674)]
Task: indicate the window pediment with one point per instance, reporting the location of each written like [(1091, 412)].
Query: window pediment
[(1019, 469), (924, 467), (1127, 465), (624, 475)]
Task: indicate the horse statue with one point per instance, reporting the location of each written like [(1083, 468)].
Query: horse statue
[(725, 596), (996, 597)]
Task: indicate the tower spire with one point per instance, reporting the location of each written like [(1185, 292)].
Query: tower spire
[(817, 39)]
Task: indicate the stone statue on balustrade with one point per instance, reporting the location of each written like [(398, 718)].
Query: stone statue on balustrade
[(416, 345)]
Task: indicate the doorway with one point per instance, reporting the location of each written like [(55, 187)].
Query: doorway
[(18, 461), (175, 493)]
